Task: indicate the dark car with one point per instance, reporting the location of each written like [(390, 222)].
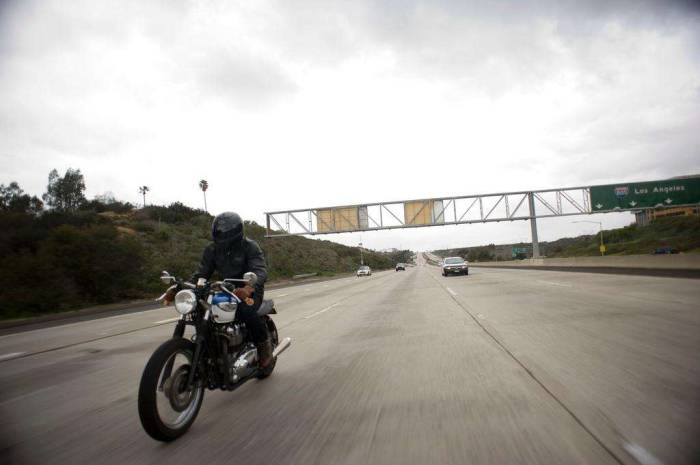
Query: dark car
[(400, 267), (664, 251)]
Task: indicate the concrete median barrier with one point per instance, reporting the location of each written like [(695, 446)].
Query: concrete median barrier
[(681, 265)]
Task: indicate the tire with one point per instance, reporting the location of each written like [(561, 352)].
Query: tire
[(274, 337), (149, 390)]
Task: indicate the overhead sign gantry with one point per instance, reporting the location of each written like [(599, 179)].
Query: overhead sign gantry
[(485, 208)]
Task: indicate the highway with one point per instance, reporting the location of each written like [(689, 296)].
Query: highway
[(498, 367)]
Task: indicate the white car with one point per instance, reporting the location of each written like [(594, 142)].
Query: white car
[(455, 265), (364, 270)]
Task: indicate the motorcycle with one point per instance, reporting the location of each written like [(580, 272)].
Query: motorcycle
[(219, 355)]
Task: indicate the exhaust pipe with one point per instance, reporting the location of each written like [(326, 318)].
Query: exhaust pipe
[(282, 346)]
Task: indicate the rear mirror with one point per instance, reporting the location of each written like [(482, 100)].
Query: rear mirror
[(166, 277), (251, 278)]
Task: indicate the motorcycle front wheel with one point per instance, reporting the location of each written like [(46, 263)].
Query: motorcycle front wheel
[(166, 408)]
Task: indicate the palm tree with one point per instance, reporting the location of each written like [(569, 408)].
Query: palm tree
[(204, 185), (143, 190)]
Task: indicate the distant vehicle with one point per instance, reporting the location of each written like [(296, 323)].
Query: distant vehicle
[(664, 251), (400, 267), (454, 265), (364, 270)]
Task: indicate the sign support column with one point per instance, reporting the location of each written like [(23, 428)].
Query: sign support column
[(533, 226)]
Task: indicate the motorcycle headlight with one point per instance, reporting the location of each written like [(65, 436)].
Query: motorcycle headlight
[(185, 302)]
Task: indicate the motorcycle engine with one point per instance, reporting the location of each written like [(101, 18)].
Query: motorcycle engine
[(234, 334), (245, 363)]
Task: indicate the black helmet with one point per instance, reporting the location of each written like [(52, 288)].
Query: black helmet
[(227, 228)]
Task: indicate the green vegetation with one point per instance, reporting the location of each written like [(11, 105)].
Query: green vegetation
[(82, 252), (681, 233), (484, 253)]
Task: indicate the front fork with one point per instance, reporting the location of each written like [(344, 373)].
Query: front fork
[(200, 340), (178, 333)]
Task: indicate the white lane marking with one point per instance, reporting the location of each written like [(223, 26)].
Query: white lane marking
[(321, 311), (642, 455), (166, 321), (281, 295), (451, 291), (11, 355), (554, 284)]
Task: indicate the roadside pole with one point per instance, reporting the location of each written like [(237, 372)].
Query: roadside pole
[(533, 226)]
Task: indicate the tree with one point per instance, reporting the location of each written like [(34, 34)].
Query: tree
[(65, 193), (204, 185), (143, 190), (106, 198), (13, 198)]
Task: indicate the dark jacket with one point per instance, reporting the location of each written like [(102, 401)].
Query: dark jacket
[(233, 261)]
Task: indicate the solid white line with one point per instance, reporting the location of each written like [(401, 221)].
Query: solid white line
[(12, 355), (322, 311), (166, 321), (281, 295), (451, 291)]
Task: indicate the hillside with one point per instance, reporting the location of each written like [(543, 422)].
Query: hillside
[(106, 253), (679, 232)]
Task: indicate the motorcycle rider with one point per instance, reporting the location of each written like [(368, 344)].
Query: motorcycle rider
[(232, 254)]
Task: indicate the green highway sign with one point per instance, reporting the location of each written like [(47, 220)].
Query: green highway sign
[(633, 196), (519, 251)]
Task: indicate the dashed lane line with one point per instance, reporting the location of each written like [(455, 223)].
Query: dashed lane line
[(551, 283), (168, 320), (73, 344), (322, 311), (18, 355), (642, 455)]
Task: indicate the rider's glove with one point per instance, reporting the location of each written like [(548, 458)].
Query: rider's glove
[(244, 294)]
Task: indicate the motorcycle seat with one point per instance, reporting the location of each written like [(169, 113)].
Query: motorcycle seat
[(267, 307)]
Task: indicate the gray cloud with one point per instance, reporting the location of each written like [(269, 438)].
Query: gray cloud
[(612, 87)]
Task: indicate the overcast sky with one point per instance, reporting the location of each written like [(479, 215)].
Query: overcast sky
[(295, 104)]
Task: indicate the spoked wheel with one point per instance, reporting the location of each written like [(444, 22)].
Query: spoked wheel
[(166, 407), (274, 338)]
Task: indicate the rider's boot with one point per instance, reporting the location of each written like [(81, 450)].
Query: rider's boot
[(264, 353)]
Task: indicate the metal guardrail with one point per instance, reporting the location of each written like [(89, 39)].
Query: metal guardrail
[(305, 275)]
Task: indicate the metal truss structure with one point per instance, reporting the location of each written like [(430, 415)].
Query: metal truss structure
[(467, 209)]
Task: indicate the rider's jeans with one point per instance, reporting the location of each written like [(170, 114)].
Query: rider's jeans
[(255, 324)]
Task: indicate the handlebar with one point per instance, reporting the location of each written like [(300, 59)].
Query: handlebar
[(249, 278)]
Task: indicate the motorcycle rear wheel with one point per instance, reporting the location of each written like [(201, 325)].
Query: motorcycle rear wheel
[(274, 338), (157, 392)]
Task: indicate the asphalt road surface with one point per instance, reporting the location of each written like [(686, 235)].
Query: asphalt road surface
[(498, 367)]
